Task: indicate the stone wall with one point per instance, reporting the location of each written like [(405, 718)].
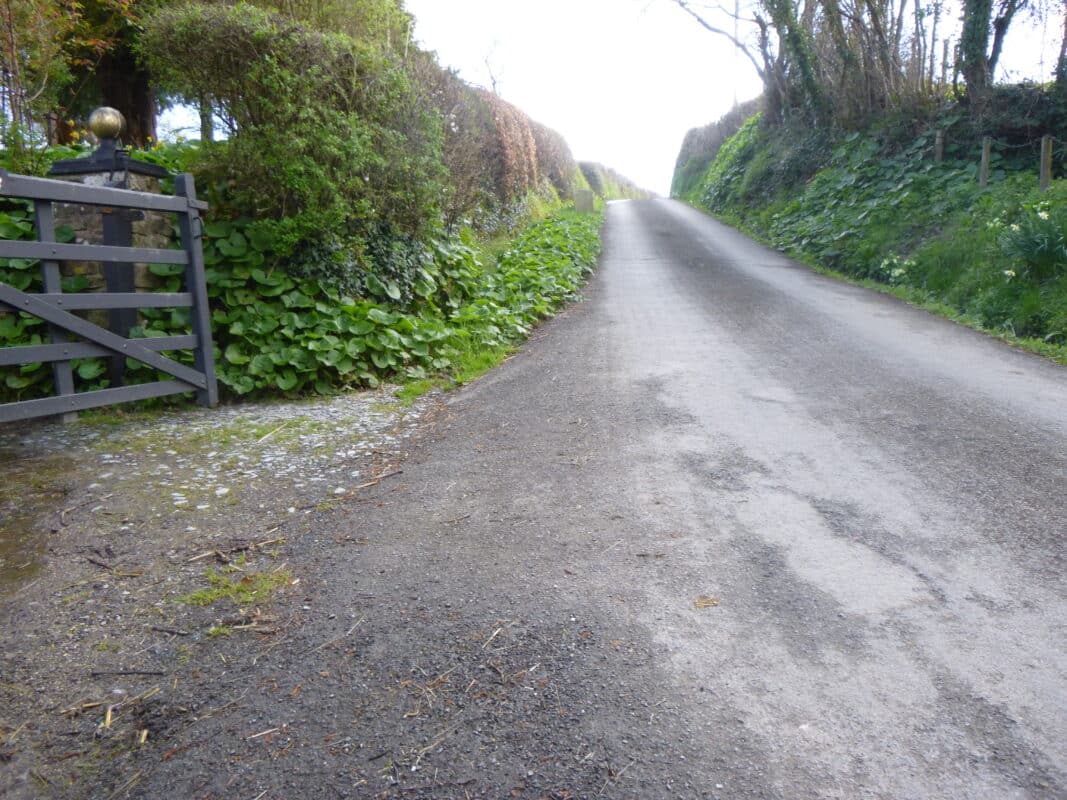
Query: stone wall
[(87, 222)]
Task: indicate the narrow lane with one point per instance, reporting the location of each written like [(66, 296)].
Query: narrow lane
[(726, 529), (880, 498)]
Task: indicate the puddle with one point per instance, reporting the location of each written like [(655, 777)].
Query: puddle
[(29, 489)]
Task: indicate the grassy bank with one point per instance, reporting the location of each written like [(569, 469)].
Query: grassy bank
[(279, 334), (878, 210)]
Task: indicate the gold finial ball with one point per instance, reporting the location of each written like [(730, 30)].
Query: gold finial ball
[(107, 123)]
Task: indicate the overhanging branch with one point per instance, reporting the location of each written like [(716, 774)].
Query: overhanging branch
[(726, 34)]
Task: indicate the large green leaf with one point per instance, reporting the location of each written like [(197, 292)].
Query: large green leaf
[(287, 381), (235, 355), (93, 368), (382, 316)]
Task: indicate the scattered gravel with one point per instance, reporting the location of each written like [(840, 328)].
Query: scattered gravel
[(110, 526)]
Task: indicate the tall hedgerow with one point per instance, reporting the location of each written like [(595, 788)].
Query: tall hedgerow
[(327, 146)]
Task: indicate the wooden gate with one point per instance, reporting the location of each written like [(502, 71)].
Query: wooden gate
[(72, 336)]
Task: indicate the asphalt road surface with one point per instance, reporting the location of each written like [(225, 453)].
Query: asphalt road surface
[(727, 529)]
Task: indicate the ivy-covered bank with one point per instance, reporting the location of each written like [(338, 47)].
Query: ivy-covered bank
[(361, 208), (877, 208), (276, 333)]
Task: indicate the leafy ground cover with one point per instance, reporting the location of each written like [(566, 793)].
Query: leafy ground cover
[(279, 333), (885, 213)]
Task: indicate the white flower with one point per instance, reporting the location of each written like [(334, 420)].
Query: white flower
[(1009, 274), (1042, 214), (1015, 228)]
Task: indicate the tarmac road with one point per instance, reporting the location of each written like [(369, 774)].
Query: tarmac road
[(727, 529)]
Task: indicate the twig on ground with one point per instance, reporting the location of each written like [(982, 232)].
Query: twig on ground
[(125, 787), (263, 733), (612, 779), (223, 707), (378, 479), (75, 507), (240, 548), (490, 639), (267, 436), (78, 709), (336, 639), (437, 784), (172, 631), (103, 673)]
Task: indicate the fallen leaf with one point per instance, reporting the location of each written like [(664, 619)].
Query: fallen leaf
[(706, 602)]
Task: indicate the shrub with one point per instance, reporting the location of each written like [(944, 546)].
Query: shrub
[(700, 147), (326, 133), (512, 153), (609, 184), (277, 333), (554, 159), (1037, 240)]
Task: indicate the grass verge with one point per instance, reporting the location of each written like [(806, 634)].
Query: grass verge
[(242, 590), (530, 279)]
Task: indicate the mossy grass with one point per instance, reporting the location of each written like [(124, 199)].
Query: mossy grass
[(243, 589)]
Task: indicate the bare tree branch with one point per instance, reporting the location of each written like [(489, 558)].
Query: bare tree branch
[(684, 5)]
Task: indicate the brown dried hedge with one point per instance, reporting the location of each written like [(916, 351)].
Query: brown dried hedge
[(512, 152), (609, 184), (554, 159)]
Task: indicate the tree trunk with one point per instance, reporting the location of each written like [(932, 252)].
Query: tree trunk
[(1000, 30), (125, 85), (933, 39), (974, 39), (207, 123), (1061, 64)]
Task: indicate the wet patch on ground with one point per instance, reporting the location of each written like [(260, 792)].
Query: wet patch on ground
[(138, 547)]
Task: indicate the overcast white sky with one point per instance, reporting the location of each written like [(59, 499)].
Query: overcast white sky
[(622, 80)]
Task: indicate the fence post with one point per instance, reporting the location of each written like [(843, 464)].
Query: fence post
[(191, 230), (1046, 161), (939, 146), (117, 229), (987, 149), (52, 280), (583, 200), (111, 166)]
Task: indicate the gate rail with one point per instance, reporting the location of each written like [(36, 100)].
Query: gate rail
[(55, 307)]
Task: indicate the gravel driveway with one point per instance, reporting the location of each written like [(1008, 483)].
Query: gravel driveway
[(727, 529)]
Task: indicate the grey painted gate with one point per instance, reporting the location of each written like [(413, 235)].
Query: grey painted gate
[(75, 337)]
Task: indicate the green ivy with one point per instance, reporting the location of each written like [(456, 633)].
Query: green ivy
[(883, 210), (34, 379), (276, 333)]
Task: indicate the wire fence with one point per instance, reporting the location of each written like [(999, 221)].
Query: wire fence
[(1050, 149)]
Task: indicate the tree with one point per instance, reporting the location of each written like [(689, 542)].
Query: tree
[(101, 52), (842, 62), (328, 146), (33, 69), (978, 56), (1061, 61)]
